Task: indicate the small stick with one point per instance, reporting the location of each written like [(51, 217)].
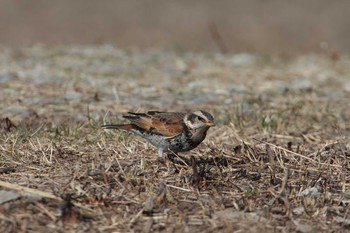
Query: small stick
[(38, 192)]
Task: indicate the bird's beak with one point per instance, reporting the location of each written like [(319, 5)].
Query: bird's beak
[(210, 124)]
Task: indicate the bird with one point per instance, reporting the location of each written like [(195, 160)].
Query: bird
[(168, 131)]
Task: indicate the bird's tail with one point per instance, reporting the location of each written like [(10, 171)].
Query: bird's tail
[(125, 126)]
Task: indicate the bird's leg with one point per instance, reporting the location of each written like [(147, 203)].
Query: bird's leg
[(160, 152), (178, 159), (168, 160), (173, 158), (160, 160)]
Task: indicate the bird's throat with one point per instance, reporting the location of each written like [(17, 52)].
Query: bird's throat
[(199, 134)]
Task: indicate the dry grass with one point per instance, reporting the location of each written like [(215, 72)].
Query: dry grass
[(286, 151)]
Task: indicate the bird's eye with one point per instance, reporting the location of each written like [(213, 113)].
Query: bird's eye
[(200, 118)]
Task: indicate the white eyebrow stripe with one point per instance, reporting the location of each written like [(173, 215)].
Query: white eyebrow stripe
[(200, 113)]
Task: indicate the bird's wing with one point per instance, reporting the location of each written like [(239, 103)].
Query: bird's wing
[(167, 124)]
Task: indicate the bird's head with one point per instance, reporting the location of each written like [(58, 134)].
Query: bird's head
[(199, 120)]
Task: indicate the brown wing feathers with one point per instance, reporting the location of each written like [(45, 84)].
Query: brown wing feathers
[(166, 124), (125, 127)]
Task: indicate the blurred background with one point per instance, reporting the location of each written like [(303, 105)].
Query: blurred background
[(262, 26)]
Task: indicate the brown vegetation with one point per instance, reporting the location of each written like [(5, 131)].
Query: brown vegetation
[(278, 160)]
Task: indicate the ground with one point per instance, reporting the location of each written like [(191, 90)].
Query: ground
[(277, 160)]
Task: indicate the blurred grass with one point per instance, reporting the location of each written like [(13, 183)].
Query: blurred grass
[(226, 26)]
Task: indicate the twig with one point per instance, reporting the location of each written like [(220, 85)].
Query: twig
[(38, 192), (36, 131), (120, 166), (284, 181), (214, 32), (105, 116), (183, 160), (29, 190), (175, 187), (132, 221), (292, 152), (116, 95)]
